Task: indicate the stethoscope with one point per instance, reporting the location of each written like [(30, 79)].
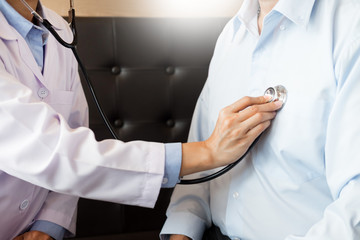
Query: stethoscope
[(72, 46), (277, 93)]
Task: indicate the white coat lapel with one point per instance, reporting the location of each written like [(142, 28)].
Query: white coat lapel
[(30, 61), (51, 57), (8, 33)]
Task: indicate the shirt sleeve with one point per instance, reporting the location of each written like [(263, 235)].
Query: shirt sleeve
[(173, 156), (61, 210), (53, 230), (341, 219)]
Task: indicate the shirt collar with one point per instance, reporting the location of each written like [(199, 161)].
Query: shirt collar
[(248, 11), (22, 25), (297, 11), (17, 21)]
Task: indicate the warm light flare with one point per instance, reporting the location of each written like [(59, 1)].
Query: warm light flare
[(148, 8)]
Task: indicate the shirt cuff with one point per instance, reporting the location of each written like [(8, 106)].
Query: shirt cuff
[(53, 230), (173, 156)]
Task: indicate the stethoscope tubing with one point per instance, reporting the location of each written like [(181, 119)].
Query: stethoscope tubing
[(50, 28), (221, 171), (72, 46)]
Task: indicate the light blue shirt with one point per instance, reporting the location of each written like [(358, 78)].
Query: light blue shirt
[(301, 180), (35, 36)]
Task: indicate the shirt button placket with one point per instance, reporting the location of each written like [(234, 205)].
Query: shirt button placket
[(165, 180), (235, 195)]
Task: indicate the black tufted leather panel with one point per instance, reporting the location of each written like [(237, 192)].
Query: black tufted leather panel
[(148, 73)]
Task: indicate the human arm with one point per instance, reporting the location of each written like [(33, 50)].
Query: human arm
[(238, 125), (341, 218), (195, 155), (189, 211), (57, 217), (74, 153)]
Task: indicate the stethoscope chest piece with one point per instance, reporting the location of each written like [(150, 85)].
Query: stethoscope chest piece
[(277, 93)]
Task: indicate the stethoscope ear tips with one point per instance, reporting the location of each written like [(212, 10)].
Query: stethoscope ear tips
[(277, 93)]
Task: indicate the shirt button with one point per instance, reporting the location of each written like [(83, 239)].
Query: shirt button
[(235, 195), (43, 92), (165, 181), (282, 27), (24, 204)]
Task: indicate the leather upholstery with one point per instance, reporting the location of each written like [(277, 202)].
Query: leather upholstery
[(147, 73)]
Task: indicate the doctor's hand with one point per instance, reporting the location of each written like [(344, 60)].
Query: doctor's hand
[(33, 235), (237, 127)]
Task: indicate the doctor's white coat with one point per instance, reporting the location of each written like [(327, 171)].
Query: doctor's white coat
[(43, 146)]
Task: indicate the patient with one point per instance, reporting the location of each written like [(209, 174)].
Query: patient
[(301, 181)]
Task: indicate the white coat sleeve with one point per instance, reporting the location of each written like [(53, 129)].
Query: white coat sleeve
[(46, 152), (61, 208), (341, 219)]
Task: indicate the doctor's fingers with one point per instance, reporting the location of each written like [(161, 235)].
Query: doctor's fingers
[(258, 109), (255, 132), (245, 102), (258, 121)]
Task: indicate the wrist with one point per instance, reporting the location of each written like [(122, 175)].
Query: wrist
[(50, 228), (196, 157)]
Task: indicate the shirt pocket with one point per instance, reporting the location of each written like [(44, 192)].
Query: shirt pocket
[(62, 101)]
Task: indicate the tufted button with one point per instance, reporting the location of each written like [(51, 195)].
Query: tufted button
[(119, 123), (170, 123), (43, 92), (24, 204), (116, 70), (170, 70)]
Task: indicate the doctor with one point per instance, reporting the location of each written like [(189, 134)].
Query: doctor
[(48, 157)]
